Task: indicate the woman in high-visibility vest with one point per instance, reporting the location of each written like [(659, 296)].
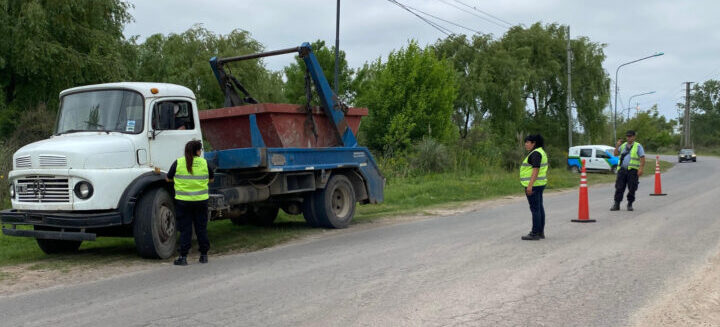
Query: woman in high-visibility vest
[(191, 176), (533, 177)]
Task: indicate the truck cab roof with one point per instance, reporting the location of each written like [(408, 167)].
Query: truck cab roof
[(144, 88)]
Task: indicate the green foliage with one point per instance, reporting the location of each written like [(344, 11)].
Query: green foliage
[(33, 125), (295, 74), (48, 46), (541, 53), (654, 132), (410, 96), (467, 58), (431, 156), (184, 59), (705, 114)]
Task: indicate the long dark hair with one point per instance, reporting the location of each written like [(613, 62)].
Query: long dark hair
[(537, 138), (191, 148)]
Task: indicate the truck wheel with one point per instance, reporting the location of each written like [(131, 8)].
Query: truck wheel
[(262, 215), (154, 226), (575, 169), (56, 246), (334, 206), (238, 215), (308, 211)]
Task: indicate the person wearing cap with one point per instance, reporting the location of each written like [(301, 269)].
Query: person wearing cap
[(632, 161), (533, 178)]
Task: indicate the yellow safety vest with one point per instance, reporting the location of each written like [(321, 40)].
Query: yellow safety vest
[(192, 186), (634, 158), (526, 170)]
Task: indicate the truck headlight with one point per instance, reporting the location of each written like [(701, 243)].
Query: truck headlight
[(12, 191), (83, 190)]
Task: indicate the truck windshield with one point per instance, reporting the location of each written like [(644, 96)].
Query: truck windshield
[(106, 110)]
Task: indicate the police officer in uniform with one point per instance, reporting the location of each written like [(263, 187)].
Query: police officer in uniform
[(533, 178), (191, 175), (630, 168)]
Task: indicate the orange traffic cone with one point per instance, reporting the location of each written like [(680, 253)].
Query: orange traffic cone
[(658, 183), (583, 211)]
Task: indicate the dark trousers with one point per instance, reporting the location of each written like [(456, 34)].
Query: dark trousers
[(537, 209), (625, 178), (189, 214)]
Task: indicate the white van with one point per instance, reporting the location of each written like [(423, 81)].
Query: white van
[(597, 158)]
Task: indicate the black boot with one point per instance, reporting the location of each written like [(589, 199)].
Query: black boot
[(615, 207), (629, 207), (203, 258), (180, 261), (541, 235), (531, 237)]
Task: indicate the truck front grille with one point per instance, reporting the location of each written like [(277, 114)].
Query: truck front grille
[(43, 189)]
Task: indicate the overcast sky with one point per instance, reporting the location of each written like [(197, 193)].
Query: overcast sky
[(686, 31)]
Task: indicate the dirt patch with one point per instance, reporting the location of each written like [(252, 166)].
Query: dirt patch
[(692, 302), (36, 276)]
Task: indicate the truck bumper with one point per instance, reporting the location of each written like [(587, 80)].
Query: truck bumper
[(58, 220)]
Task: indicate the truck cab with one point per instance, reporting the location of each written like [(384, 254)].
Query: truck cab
[(89, 175)]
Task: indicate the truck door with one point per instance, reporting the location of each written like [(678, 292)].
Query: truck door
[(174, 123)]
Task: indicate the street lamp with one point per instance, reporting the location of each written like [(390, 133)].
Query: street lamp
[(616, 89), (636, 95)]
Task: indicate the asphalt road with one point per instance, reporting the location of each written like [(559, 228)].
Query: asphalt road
[(470, 269)]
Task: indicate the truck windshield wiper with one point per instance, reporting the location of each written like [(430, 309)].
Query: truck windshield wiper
[(85, 130)]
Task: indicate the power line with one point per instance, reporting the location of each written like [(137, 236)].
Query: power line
[(438, 27), (472, 13), (486, 13), (447, 21)]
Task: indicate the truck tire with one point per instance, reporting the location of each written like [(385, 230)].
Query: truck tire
[(308, 211), (238, 215), (575, 169), (334, 206), (56, 246), (262, 215), (154, 226), (255, 215)]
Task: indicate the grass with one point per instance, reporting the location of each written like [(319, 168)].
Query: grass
[(402, 196)]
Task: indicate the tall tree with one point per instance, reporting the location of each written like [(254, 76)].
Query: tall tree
[(295, 74), (541, 53), (48, 46), (410, 96), (705, 113), (654, 130), (184, 59), (468, 58)]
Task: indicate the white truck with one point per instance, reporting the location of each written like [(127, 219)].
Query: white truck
[(103, 171), (108, 141)]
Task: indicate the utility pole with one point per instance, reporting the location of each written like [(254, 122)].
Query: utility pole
[(337, 48), (569, 89), (686, 122)]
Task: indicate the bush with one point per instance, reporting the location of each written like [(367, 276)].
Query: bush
[(32, 125), (431, 156)]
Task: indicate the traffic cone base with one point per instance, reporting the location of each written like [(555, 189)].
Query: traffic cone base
[(583, 220), (661, 194)]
